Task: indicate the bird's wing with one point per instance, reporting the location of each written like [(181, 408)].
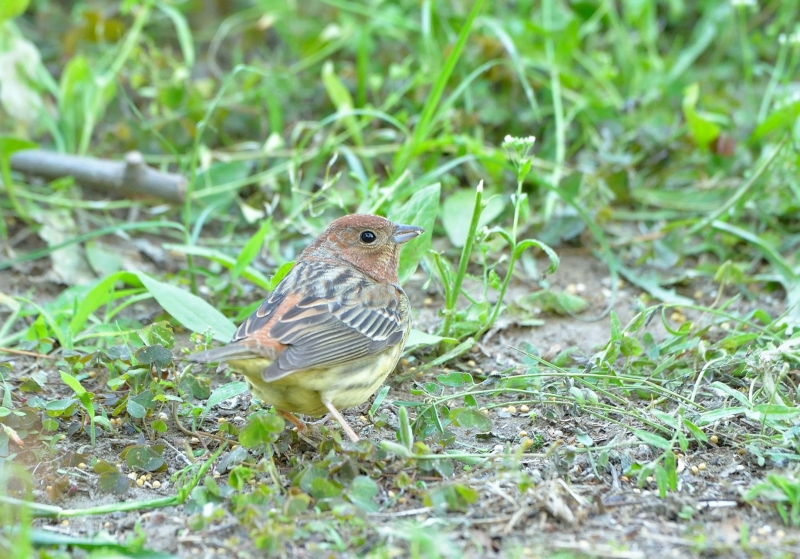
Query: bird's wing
[(330, 317)]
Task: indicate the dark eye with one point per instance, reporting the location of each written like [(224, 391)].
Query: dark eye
[(368, 237)]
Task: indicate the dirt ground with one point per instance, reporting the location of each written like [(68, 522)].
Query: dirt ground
[(570, 509)]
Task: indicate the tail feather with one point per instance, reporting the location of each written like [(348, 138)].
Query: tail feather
[(222, 354)]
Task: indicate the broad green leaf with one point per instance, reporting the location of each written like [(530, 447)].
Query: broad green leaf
[(701, 125), (458, 206), (420, 210), (468, 418), (10, 9), (263, 428), (190, 310)]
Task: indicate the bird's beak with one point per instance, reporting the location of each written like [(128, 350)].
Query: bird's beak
[(403, 233)]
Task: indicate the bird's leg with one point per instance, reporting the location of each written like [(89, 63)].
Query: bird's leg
[(342, 421), (293, 419)]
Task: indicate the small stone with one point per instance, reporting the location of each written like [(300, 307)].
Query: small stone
[(497, 448), (580, 287), (132, 476), (650, 479)]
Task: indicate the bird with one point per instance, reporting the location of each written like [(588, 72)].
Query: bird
[(333, 329)]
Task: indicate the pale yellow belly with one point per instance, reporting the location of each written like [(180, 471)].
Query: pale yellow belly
[(345, 386)]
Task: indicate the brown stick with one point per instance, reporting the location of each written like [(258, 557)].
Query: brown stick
[(129, 177)]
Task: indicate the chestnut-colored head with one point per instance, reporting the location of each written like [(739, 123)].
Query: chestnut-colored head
[(368, 242)]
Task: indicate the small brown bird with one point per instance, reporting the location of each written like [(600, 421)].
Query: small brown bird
[(333, 329)]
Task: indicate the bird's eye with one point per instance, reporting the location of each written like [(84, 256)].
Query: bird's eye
[(368, 237)]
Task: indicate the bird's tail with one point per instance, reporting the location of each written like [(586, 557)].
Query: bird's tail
[(229, 352)]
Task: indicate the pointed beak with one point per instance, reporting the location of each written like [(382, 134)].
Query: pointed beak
[(403, 233)]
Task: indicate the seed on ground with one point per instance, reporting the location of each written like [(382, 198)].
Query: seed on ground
[(427, 302), (194, 440), (524, 409), (391, 494), (156, 484), (140, 482), (132, 476), (624, 479), (512, 409), (523, 434), (148, 477), (92, 374), (82, 465), (478, 371), (221, 420), (163, 416), (65, 523), (471, 363), (713, 439), (695, 470), (650, 479), (572, 289), (677, 317), (484, 411), (701, 466)]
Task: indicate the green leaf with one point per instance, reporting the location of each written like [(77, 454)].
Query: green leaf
[(468, 418), (250, 250), (342, 100), (263, 428), (653, 440), (190, 310), (10, 9), (701, 126), (458, 205), (154, 355), (141, 457), (420, 210), (158, 333), (224, 392), (182, 31), (362, 492), (418, 338)]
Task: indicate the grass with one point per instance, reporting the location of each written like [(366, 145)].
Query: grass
[(666, 144)]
